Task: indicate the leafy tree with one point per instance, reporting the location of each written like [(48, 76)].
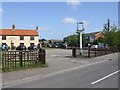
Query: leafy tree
[(72, 40), (84, 40), (111, 34), (99, 40)]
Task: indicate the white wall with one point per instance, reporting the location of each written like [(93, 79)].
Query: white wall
[(16, 40)]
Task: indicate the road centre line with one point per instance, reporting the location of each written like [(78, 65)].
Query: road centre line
[(105, 77)]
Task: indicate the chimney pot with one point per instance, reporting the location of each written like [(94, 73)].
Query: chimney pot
[(36, 27), (13, 27)]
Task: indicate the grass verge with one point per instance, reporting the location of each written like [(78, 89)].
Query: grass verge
[(37, 65)]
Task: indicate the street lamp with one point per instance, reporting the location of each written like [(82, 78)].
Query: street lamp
[(79, 31)]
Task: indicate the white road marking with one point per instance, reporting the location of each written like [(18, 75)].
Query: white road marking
[(51, 74), (105, 77)]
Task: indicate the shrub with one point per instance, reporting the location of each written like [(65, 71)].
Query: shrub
[(13, 47)]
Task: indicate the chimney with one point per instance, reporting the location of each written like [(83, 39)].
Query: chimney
[(36, 27), (13, 27)]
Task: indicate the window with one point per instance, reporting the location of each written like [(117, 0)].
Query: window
[(92, 38), (22, 44), (31, 44), (21, 37), (31, 37), (4, 44), (3, 37)]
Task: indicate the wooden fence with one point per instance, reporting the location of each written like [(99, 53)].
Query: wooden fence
[(94, 52), (13, 59)]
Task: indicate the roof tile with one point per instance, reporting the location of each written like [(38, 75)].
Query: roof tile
[(18, 32)]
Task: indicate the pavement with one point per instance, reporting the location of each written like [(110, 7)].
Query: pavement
[(58, 61)]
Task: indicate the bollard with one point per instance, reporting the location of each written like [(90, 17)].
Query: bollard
[(39, 54), (20, 58), (89, 52), (74, 52), (43, 56), (95, 52)]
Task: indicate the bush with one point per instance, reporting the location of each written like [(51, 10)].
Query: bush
[(13, 47)]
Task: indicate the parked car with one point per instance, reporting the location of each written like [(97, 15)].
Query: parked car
[(4, 47), (57, 45), (21, 47), (32, 47), (63, 45), (94, 46), (51, 45)]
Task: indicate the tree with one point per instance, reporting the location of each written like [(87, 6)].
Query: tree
[(99, 40), (73, 40), (84, 40), (111, 34)]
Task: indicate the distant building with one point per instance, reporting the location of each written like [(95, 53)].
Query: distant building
[(15, 37), (90, 37), (55, 41), (93, 36)]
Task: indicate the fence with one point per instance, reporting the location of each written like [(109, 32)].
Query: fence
[(13, 59), (94, 52)]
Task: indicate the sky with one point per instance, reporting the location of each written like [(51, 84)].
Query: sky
[(57, 20)]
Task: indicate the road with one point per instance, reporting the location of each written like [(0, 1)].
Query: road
[(99, 75)]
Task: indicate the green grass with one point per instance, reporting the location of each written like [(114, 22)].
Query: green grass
[(24, 67)]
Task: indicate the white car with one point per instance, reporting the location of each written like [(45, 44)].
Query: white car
[(94, 46)]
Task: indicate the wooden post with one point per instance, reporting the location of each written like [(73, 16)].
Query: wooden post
[(101, 51), (43, 56), (74, 52), (39, 54), (20, 58), (89, 52), (95, 52)]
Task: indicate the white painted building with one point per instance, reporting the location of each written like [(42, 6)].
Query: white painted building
[(15, 37)]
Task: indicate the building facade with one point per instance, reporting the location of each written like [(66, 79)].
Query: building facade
[(15, 37), (88, 37)]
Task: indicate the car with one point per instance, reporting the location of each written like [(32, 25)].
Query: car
[(32, 47), (21, 47), (4, 47), (94, 46), (51, 45), (57, 45), (63, 45)]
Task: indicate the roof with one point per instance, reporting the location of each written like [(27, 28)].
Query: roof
[(18, 32), (92, 33)]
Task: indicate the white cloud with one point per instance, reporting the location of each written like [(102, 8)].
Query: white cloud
[(73, 2), (1, 10), (86, 23), (51, 33), (69, 20), (98, 29), (44, 29)]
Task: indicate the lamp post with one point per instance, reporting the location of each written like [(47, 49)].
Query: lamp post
[(80, 34)]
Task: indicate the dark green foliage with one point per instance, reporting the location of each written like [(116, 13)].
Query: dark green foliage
[(13, 47), (73, 40), (111, 36)]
